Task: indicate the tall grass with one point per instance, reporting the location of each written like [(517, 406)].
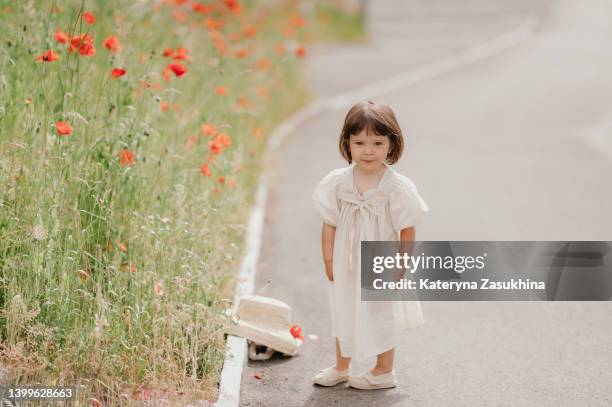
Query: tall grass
[(114, 272)]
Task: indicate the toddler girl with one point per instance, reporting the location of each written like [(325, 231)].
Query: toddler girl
[(366, 200)]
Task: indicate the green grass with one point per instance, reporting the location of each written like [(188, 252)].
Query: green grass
[(112, 276)]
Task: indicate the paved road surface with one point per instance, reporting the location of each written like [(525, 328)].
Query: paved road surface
[(515, 147)]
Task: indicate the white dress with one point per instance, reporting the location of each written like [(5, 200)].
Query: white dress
[(366, 328)]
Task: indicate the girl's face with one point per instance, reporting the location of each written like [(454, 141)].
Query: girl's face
[(369, 151)]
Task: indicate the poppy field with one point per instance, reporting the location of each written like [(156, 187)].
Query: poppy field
[(131, 137)]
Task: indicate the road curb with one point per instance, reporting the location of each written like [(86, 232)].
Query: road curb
[(236, 347)]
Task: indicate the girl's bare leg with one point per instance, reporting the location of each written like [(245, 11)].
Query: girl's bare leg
[(342, 363), (384, 362)]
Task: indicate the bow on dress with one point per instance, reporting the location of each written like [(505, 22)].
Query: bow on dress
[(360, 213)]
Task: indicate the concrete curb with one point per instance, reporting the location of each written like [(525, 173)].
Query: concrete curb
[(236, 351)]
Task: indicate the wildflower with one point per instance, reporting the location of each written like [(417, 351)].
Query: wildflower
[(63, 128), (60, 36), (300, 51), (296, 331), (213, 25), (221, 179), (263, 64), (180, 16), (39, 232), (122, 247), (224, 139), (168, 52), (158, 288), (297, 21), (249, 31), (221, 90), (201, 8), (280, 49), (167, 74), (258, 133), (112, 44), (89, 17), (215, 147), (233, 5), (208, 129), (244, 101), (84, 43), (178, 69), (127, 157), (181, 53), (118, 72), (241, 53), (205, 170), (48, 56)]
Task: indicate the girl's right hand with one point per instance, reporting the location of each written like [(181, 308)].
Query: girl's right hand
[(329, 271)]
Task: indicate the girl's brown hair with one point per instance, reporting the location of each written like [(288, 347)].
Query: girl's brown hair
[(376, 118)]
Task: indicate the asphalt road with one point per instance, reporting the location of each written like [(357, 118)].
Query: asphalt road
[(515, 147)]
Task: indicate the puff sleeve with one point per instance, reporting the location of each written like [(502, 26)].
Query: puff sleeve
[(407, 208), (325, 199)]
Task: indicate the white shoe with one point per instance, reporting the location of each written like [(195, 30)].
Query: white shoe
[(368, 381), (331, 377)]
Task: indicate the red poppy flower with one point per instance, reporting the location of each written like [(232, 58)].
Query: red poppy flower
[(249, 31), (298, 21), (213, 25), (89, 17), (84, 43), (87, 50), (263, 64), (221, 90), (127, 157), (221, 179), (258, 133), (241, 53), (215, 147), (244, 101), (63, 128), (48, 56), (224, 139), (61, 36), (112, 44), (181, 53), (208, 129), (300, 51), (201, 8), (205, 170), (168, 52), (296, 331), (178, 69), (233, 5), (281, 49), (118, 72)]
